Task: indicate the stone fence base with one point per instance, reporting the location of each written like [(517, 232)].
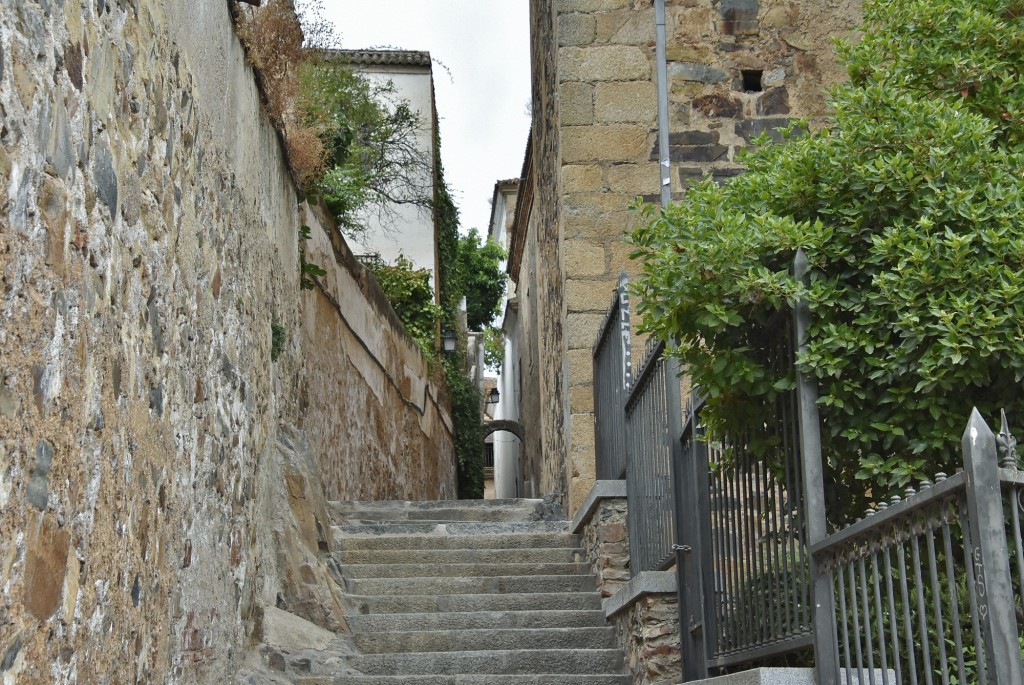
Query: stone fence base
[(643, 608)]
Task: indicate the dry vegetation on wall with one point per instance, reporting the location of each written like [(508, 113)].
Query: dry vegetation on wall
[(277, 46)]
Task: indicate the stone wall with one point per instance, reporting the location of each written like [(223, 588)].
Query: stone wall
[(373, 416), (736, 68), (648, 631), (644, 608), (545, 343), (606, 544), (148, 248)]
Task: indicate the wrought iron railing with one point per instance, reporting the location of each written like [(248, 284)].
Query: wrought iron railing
[(746, 548), (613, 375), (652, 419), (923, 586), (927, 589)]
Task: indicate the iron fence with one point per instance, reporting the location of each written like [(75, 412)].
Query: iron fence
[(745, 496), (613, 375), (923, 585), (652, 417), (926, 589)]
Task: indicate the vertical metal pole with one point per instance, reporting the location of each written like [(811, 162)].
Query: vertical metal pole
[(993, 586), (691, 543), (662, 60), (822, 599)]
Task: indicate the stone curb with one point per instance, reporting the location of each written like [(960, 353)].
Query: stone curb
[(602, 490)]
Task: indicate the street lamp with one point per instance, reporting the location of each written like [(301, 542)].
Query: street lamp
[(493, 396), (448, 341)]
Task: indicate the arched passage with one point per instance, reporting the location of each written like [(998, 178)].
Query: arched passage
[(504, 425)]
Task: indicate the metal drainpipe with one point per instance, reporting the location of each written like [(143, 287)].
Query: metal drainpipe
[(662, 68)]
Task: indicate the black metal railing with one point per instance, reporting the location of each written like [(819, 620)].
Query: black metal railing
[(923, 586), (747, 545), (761, 604), (927, 589), (613, 375), (652, 419)]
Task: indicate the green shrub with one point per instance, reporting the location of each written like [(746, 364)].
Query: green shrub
[(909, 207)]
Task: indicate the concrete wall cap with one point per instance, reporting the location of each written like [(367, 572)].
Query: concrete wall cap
[(643, 583), (602, 490), (787, 676)]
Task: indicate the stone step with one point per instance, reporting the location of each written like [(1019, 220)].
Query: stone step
[(347, 542), (453, 528), (489, 620), (527, 555), (459, 570), (430, 603), (480, 640), (470, 679), (343, 506), (503, 662), (465, 510), (394, 587)]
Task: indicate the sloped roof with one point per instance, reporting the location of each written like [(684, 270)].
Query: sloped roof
[(366, 58)]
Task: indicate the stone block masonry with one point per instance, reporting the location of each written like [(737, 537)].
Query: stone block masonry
[(151, 504), (736, 68), (643, 608)]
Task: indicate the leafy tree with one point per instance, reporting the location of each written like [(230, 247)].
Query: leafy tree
[(370, 135), (479, 278), (909, 206)]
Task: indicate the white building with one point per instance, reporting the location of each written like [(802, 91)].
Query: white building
[(402, 228), (507, 447)]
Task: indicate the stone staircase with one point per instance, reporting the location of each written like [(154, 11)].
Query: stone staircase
[(486, 592)]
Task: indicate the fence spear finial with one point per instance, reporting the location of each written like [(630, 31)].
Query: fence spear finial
[(1006, 444)]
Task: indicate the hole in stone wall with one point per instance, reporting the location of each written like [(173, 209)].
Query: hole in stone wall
[(752, 80)]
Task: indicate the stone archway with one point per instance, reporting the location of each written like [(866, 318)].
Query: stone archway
[(513, 427)]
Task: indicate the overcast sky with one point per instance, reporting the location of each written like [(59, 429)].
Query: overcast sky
[(482, 104)]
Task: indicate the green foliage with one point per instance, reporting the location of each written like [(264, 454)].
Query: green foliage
[(909, 207), (409, 291), (370, 139), (469, 437), (278, 339), (494, 347), (447, 244), (479, 278), (308, 271), (466, 411)]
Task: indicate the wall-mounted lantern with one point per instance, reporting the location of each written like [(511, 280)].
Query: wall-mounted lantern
[(448, 341), (493, 396)]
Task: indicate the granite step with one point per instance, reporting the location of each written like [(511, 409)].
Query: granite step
[(425, 570), (481, 640), (346, 542), (492, 662), (403, 528), (429, 603), (465, 510), (469, 679), (524, 555), (469, 585), (489, 620)]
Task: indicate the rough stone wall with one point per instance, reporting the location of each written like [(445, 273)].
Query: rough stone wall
[(649, 632), (148, 241), (547, 346), (373, 416), (606, 544), (532, 458), (736, 68)]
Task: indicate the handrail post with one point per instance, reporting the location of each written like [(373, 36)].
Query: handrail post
[(826, 657), (993, 587), (692, 549)]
